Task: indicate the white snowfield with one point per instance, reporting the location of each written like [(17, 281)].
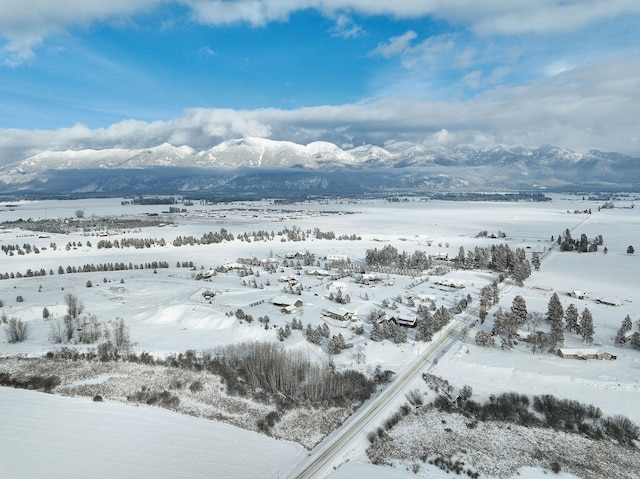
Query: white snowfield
[(54, 437), (49, 436)]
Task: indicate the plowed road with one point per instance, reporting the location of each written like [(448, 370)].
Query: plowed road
[(331, 451)]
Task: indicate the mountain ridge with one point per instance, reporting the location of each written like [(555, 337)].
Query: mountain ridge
[(413, 165)]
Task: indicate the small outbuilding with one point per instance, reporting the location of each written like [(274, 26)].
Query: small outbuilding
[(609, 301)]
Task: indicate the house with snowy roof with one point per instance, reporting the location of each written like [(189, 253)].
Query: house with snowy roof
[(585, 353)]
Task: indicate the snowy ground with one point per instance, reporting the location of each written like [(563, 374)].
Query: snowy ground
[(61, 437), (166, 312)]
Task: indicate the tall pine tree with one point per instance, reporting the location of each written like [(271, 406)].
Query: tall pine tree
[(571, 318), (625, 327), (555, 314), (519, 310), (425, 327), (377, 333), (586, 326)]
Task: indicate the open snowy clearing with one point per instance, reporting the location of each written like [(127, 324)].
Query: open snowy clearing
[(166, 312), (62, 437)]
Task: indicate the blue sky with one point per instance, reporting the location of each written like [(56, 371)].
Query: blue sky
[(136, 73)]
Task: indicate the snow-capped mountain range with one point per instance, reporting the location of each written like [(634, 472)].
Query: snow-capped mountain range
[(468, 166)]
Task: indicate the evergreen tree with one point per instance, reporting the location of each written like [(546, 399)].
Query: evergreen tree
[(484, 339), (555, 315), (460, 259), (571, 318), (325, 330), (425, 328), (625, 327), (336, 344), (519, 310), (535, 260), (441, 318), (486, 297), (314, 336), (499, 322), (521, 268), (399, 334), (495, 292), (586, 326), (619, 340), (635, 340), (377, 333)]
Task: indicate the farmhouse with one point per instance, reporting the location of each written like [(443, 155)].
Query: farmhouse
[(340, 314), (208, 274), (338, 286), (424, 299), (576, 293), (368, 278), (404, 320), (320, 273), (233, 266), (449, 283), (292, 280), (285, 301), (586, 353)]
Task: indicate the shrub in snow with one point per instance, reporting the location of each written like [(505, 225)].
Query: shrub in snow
[(484, 338), (16, 330)]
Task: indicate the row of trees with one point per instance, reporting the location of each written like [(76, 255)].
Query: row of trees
[(269, 372), (582, 245), (498, 258), (87, 268), (507, 323), (389, 256), (208, 238), (544, 411)]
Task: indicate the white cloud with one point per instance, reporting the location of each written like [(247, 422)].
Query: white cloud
[(206, 52), (395, 45), (557, 67), (489, 17), (473, 79), (345, 27), (24, 24)]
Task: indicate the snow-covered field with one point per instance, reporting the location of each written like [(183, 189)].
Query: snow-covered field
[(61, 437), (166, 312)]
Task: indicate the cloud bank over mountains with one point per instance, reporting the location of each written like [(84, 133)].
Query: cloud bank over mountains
[(563, 110)]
